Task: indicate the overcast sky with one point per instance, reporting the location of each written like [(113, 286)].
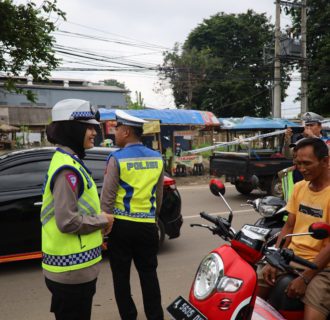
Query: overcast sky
[(136, 33)]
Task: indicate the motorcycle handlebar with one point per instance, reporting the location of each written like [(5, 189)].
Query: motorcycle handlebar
[(209, 218), (304, 262)]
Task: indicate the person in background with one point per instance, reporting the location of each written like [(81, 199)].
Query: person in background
[(71, 216), (309, 203), (312, 128), (132, 191)]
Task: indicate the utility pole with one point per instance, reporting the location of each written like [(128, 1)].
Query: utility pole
[(304, 69), (277, 64)]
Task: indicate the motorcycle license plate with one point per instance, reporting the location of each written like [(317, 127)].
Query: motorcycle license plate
[(181, 309)]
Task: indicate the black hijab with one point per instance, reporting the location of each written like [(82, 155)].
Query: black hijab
[(68, 133)]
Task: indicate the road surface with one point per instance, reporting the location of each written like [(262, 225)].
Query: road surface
[(24, 296)]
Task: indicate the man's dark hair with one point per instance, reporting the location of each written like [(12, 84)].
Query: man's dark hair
[(319, 147), (138, 131)]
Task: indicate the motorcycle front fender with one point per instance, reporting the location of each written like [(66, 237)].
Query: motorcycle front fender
[(262, 310), (229, 305)]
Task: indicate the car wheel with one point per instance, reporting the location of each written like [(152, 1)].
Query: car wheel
[(161, 232), (243, 187)]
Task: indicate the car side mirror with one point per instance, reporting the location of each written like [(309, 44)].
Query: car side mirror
[(319, 230)]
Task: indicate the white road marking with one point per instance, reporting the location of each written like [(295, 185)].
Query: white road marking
[(203, 186)]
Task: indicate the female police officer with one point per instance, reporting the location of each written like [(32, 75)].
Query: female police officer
[(70, 215)]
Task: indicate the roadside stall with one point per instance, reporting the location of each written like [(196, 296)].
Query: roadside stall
[(253, 155), (246, 127), (7, 136), (173, 134)]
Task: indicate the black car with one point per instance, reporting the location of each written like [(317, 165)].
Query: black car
[(22, 174)]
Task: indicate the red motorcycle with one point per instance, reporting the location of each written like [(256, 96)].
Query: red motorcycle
[(226, 281)]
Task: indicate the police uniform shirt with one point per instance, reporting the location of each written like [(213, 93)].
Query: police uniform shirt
[(111, 185), (69, 220)]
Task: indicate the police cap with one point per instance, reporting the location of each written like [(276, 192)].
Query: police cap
[(311, 117), (75, 110), (126, 119)]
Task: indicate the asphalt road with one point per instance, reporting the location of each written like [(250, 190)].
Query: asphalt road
[(23, 294)]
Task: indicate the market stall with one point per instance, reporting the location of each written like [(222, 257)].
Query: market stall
[(176, 131)]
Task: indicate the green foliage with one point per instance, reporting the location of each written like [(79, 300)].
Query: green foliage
[(220, 67), (122, 85), (26, 43), (139, 102), (205, 154), (318, 53)]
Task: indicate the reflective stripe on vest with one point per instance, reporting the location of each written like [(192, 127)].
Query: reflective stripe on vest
[(139, 170), (64, 251), (71, 259), (287, 184)]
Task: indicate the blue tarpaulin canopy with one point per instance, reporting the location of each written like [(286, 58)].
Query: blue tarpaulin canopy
[(168, 116), (246, 123)]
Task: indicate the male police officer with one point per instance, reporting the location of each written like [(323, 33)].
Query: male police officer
[(312, 128), (132, 191)]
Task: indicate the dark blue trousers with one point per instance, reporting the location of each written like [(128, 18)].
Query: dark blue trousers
[(138, 242)]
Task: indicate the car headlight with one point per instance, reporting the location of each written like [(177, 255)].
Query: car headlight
[(267, 210), (209, 273)]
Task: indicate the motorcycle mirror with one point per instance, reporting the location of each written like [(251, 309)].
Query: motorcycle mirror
[(319, 230), (216, 187)]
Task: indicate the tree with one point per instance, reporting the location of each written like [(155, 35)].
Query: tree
[(220, 66), (122, 85), (318, 53), (138, 104), (26, 43)]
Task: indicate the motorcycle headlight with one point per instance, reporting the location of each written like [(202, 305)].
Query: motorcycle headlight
[(267, 210), (209, 273)]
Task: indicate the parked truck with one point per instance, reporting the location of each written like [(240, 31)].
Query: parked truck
[(249, 162), (249, 171)]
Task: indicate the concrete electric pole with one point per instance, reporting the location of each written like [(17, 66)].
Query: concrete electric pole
[(304, 68), (277, 64), (276, 110)]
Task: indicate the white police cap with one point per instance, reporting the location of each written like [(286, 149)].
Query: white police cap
[(75, 110), (311, 117), (126, 119)]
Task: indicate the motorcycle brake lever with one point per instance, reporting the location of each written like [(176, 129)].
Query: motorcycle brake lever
[(199, 225), (211, 228), (275, 259)]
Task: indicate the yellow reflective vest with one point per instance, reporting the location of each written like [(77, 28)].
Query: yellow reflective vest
[(287, 182), (64, 251), (139, 171)]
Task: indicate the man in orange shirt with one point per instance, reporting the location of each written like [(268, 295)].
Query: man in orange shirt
[(310, 202)]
